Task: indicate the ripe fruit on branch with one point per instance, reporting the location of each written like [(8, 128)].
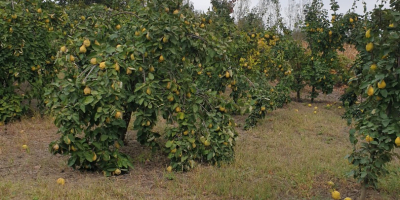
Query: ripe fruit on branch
[(87, 90), (86, 43), (381, 84), (102, 65), (148, 91), (82, 49), (116, 67), (369, 139), (369, 47), (368, 33), (227, 75), (373, 67), (93, 61), (370, 90), (161, 58), (118, 115)]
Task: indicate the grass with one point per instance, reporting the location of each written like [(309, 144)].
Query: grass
[(291, 154)]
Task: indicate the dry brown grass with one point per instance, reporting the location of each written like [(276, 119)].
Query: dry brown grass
[(290, 155), (349, 51)]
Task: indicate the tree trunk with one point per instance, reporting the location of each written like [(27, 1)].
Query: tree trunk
[(312, 94), (123, 131), (298, 95), (363, 191)]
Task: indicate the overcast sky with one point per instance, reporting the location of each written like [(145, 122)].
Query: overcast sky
[(345, 5)]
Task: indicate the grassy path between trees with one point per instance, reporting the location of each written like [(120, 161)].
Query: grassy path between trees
[(292, 154)]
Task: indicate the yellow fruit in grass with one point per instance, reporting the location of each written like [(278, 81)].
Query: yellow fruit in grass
[(56, 147), (25, 147), (397, 141), (61, 181), (117, 172), (336, 195), (169, 169), (330, 183), (347, 198)]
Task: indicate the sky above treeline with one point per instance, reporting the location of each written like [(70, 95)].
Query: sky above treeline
[(345, 5)]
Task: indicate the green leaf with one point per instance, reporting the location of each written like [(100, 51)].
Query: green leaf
[(88, 156), (151, 76), (103, 138), (88, 100), (210, 155), (168, 144), (71, 161)]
